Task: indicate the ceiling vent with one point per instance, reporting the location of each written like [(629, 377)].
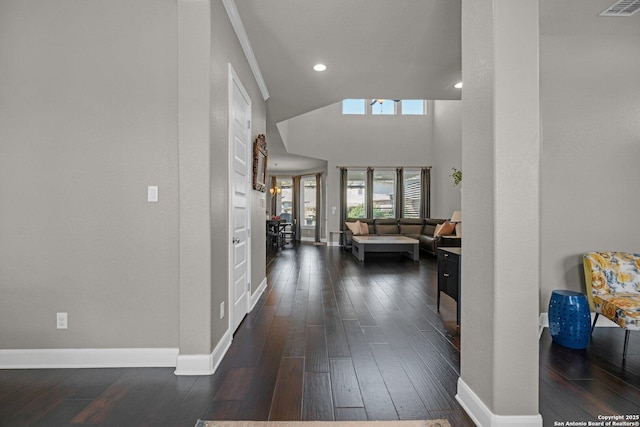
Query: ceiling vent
[(622, 8)]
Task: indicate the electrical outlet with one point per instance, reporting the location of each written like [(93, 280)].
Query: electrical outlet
[(222, 310), (61, 320)]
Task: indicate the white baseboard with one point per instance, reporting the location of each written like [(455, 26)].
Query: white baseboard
[(543, 322), (255, 295), (203, 364), (206, 364), (482, 416), (52, 358)]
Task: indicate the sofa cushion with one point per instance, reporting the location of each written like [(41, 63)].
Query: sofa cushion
[(387, 226), (410, 229), (621, 307), (411, 225), (428, 242)]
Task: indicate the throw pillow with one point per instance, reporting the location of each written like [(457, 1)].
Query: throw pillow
[(354, 227), (364, 228), (436, 232), (448, 228)]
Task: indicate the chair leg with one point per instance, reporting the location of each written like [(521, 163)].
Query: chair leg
[(594, 322), (626, 344)]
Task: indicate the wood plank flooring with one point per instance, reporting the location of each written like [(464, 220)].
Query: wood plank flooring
[(331, 338)]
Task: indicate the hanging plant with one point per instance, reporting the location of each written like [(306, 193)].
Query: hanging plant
[(457, 176)]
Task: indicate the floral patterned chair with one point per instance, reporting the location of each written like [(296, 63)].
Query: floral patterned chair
[(613, 289)]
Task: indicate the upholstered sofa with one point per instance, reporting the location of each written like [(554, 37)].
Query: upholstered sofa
[(417, 228)]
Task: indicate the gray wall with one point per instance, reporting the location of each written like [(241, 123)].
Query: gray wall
[(447, 153), (344, 140), (590, 104), (88, 121), (89, 117), (225, 49)]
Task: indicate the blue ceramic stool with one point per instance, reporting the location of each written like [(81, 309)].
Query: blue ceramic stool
[(570, 319)]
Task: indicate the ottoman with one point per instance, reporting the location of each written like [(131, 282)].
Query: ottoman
[(569, 319)]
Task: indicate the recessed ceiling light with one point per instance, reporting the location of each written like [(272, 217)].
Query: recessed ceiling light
[(319, 67), (458, 85)]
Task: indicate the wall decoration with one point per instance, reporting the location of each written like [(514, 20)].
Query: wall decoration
[(260, 163)]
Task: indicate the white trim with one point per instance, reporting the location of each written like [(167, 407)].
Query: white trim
[(543, 322), (234, 81), (255, 296), (52, 358), (203, 364), (238, 26), (482, 416)]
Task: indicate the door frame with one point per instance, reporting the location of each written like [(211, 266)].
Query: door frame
[(235, 80)]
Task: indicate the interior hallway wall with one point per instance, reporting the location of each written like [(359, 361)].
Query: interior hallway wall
[(88, 121), (447, 153), (225, 49), (591, 147), (348, 140)]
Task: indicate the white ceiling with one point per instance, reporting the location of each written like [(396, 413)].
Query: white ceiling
[(393, 49), (581, 18), (372, 48)]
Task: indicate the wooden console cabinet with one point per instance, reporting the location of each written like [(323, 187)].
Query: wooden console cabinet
[(449, 275)]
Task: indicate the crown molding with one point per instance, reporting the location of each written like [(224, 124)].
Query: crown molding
[(238, 26)]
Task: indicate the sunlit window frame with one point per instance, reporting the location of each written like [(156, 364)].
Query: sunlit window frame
[(397, 108)]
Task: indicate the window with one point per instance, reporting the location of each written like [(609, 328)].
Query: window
[(356, 194), (308, 185), (412, 193), (376, 190), (384, 184), (353, 106), (413, 107), (383, 107), (284, 204)]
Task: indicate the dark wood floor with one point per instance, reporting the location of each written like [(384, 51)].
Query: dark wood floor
[(580, 385), (331, 338)]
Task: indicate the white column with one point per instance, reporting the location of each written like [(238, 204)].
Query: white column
[(500, 261), (194, 50)]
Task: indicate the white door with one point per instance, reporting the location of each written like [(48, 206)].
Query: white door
[(239, 190)]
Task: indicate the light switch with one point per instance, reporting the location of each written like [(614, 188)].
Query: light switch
[(152, 193)]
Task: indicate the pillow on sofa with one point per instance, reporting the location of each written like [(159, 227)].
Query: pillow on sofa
[(364, 228), (445, 229), (355, 227)]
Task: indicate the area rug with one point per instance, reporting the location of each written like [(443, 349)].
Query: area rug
[(416, 423)]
